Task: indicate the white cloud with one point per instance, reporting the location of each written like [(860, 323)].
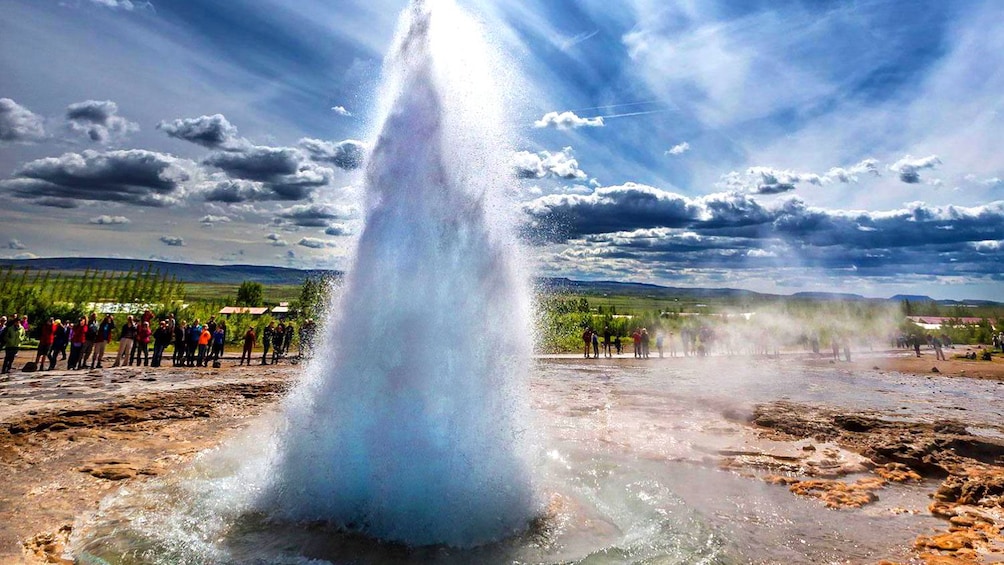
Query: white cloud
[(127, 5), (211, 219), (277, 240), (544, 164), (566, 121), (16, 244), (105, 220), (768, 180), (679, 149), (341, 111), (19, 124)]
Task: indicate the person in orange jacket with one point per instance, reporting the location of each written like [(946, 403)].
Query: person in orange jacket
[(204, 338)]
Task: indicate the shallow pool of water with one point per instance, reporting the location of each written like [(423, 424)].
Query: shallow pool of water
[(628, 467)]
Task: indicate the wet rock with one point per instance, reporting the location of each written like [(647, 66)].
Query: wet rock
[(897, 473), (48, 547), (117, 470), (834, 494)]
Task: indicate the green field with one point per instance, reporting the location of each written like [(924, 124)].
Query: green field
[(224, 293)]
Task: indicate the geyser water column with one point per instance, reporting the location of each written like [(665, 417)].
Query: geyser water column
[(413, 425)]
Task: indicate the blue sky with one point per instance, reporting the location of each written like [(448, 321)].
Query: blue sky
[(778, 146)]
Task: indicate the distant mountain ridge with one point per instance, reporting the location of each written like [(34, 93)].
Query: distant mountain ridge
[(186, 272), (235, 274)]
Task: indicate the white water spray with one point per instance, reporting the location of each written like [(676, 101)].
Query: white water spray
[(414, 425)]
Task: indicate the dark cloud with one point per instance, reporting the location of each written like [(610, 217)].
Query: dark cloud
[(236, 191), (908, 168), (18, 124), (135, 176), (259, 173), (16, 244), (314, 215), (109, 220), (313, 243), (259, 163), (348, 155), (338, 230), (98, 120), (610, 209), (214, 132), (731, 231), (172, 240)]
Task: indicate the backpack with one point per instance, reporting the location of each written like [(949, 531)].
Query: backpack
[(30, 367)]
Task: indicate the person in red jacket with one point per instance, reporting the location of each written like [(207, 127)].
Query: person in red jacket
[(142, 347), (46, 334), (77, 338)]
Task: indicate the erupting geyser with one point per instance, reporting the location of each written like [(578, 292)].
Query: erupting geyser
[(413, 426)]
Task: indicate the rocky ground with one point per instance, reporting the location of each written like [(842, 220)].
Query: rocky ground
[(862, 452), (69, 439)]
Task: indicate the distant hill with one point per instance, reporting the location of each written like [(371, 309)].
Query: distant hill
[(235, 274), (187, 272), (829, 296), (912, 298)]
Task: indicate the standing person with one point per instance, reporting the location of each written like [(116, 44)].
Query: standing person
[(204, 339), (192, 341), (587, 339), (13, 335), (606, 342), (219, 338), (60, 338), (77, 337), (142, 345), (659, 343), (266, 341), (127, 338), (672, 344), (636, 338), (60, 342), (89, 338), (180, 343), (171, 323), (939, 354), (617, 343), (287, 340), (47, 332), (161, 339), (249, 339), (596, 345), (644, 343), (104, 337), (277, 340)]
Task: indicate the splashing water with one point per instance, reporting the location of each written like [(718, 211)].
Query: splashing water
[(415, 428)]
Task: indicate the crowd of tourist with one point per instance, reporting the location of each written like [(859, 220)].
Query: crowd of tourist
[(143, 341)]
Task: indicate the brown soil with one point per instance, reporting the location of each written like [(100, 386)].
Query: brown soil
[(60, 454)]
